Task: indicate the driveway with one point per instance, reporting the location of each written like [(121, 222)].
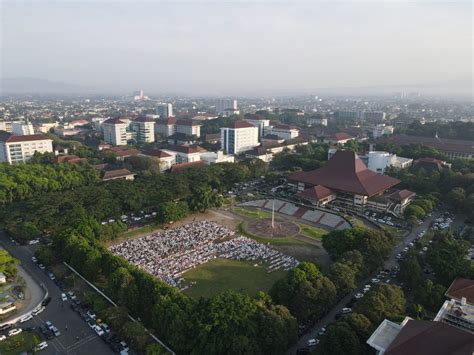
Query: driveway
[(389, 263)]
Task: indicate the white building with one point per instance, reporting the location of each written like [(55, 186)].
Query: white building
[(6, 126), (261, 124), (22, 128), (188, 127), (379, 161), (164, 110), (382, 130), (139, 95), (165, 127), (239, 137), (284, 131), (183, 154), (216, 157), (318, 121), (224, 106), (19, 149), (144, 129), (115, 131)]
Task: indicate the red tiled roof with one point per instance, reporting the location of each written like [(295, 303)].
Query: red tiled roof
[(10, 138), (113, 121), (118, 173), (68, 159), (341, 136), (285, 126), (166, 121), (401, 195), (240, 124), (442, 144), (186, 149), (419, 337), (316, 193), (181, 166), (124, 152), (462, 288), (158, 153), (347, 173)]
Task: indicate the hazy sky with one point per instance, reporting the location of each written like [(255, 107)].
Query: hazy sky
[(219, 47)]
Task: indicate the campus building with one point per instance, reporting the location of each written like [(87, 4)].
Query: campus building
[(19, 149), (348, 182), (144, 128), (238, 137), (115, 131)]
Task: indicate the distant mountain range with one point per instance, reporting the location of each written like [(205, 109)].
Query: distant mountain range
[(37, 86)]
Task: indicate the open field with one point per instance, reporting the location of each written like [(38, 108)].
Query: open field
[(312, 232), (252, 213), (222, 274)]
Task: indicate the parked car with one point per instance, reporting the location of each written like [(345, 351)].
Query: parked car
[(2, 337), (5, 327), (312, 342), (46, 301), (41, 346), (26, 318), (55, 331), (63, 297), (346, 310), (38, 310), (15, 331), (33, 259), (105, 327), (49, 324), (98, 330), (359, 295)]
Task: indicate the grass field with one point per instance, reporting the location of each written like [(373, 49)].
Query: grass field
[(223, 274), (264, 240), (16, 344), (312, 232), (253, 213)]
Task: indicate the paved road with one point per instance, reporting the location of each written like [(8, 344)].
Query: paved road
[(79, 338), (389, 263)]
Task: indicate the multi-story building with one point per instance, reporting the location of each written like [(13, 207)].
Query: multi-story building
[(284, 131), (164, 110), (372, 116), (260, 123), (381, 130), (6, 126), (188, 127), (183, 154), (22, 128), (239, 137), (317, 121), (144, 129), (165, 127), (115, 131), (380, 161), (224, 106), (19, 149)]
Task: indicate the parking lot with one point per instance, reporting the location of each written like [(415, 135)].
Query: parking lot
[(76, 337)]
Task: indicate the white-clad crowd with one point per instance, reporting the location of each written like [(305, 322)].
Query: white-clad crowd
[(169, 253)]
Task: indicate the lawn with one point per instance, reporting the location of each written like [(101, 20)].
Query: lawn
[(149, 228), (264, 240), (222, 274), (16, 344), (253, 213), (312, 232)]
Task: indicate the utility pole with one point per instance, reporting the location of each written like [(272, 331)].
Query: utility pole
[(273, 214)]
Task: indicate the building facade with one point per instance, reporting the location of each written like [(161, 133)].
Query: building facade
[(144, 129), (115, 131), (223, 106), (239, 137), (164, 110), (20, 149)]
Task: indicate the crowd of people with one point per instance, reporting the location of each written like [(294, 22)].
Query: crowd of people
[(169, 253)]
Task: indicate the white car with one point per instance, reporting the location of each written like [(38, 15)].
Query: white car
[(359, 295), (63, 297), (98, 330), (38, 310), (15, 331), (41, 266), (33, 242), (41, 346), (425, 249), (312, 342), (2, 337), (26, 318), (346, 310), (33, 259), (375, 281)]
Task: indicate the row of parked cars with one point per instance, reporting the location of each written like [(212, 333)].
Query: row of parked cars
[(133, 218), (116, 343)]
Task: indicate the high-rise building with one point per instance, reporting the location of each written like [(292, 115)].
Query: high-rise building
[(22, 128), (164, 110), (224, 106), (144, 128), (20, 148), (115, 131), (238, 137), (260, 123), (139, 95)]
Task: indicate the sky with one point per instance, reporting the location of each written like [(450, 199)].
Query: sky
[(221, 47)]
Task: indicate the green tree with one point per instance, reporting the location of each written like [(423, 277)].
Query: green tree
[(385, 301)]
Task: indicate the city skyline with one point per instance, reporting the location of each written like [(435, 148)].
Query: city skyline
[(207, 48)]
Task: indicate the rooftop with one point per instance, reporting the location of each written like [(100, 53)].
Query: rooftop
[(443, 144), (462, 288), (345, 172), (182, 166), (316, 193), (11, 138), (240, 124), (118, 173), (113, 121), (144, 119)]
